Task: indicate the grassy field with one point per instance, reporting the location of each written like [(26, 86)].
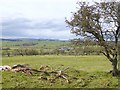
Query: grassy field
[(84, 72), (86, 63), (50, 44)]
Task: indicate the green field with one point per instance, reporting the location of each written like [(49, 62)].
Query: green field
[(41, 43), (90, 71)]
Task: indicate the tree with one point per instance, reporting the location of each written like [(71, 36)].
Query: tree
[(8, 53), (20, 51), (100, 22)]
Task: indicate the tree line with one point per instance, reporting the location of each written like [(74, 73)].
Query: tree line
[(74, 50)]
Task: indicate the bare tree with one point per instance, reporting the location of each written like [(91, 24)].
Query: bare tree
[(100, 22)]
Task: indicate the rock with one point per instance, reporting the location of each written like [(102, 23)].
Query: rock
[(5, 68)]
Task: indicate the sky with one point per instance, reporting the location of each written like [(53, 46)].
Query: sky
[(42, 19)]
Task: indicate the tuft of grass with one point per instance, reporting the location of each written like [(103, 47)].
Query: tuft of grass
[(78, 80)]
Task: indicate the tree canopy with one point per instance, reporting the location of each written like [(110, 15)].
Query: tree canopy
[(99, 22)]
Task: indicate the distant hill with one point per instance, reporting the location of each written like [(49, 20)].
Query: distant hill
[(31, 42), (11, 39), (21, 39)]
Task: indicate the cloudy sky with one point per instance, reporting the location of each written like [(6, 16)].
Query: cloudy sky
[(36, 18)]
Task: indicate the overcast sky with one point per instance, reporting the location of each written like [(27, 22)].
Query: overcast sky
[(37, 18)]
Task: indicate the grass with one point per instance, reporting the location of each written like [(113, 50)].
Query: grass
[(86, 63), (48, 44), (91, 71)]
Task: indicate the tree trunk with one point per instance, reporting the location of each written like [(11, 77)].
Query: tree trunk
[(115, 71), (8, 54)]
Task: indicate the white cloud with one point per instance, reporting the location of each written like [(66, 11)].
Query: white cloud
[(40, 29), (37, 11), (50, 34)]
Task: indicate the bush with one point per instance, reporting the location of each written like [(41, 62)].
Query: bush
[(25, 52)]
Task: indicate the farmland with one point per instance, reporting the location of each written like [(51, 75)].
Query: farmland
[(46, 44), (36, 43), (92, 69), (48, 47), (86, 69)]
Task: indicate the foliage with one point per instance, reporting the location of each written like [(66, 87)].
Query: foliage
[(100, 22)]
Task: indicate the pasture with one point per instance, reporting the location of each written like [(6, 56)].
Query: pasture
[(33, 43), (90, 71)]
